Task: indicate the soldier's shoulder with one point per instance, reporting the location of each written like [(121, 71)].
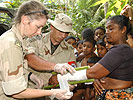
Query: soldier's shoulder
[(8, 40), (8, 37)]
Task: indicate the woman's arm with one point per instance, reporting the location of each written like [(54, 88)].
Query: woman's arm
[(32, 93), (35, 93), (97, 71)]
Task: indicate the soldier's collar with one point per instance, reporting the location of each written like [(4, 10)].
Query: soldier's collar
[(64, 45), (17, 32)]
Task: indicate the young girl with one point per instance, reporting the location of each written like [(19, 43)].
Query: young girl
[(101, 48), (79, 47), (88, 50), (99, 33), (71, 40)]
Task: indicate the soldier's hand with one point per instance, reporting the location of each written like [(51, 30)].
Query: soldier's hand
[(60, 94), (63, 68), (53, 81), (38, 82)]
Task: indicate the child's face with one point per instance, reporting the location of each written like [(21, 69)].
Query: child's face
[(88, 48), (79, 48), (101, 50), (72, 42), (99, 34), (108, 45)]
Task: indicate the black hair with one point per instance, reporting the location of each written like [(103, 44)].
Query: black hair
[(87, 33), (90, 40), (101, 29), (101, 42), (77, 38), (122, 21), (93, 59), (79, 42), (70, 37)]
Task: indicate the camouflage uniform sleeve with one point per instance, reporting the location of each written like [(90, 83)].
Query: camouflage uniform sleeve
[(73, 57), (13, 80), (31, 47)]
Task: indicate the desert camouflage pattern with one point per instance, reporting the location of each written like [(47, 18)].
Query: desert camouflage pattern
[(42, 48), (12, 64)]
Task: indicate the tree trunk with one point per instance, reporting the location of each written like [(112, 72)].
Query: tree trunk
[(105, 8)]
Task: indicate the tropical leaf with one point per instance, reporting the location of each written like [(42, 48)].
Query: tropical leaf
[(108, 14), (118, 4), (79, 10), (99, 2), (97, 12)]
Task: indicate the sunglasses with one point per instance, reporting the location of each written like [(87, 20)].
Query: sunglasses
[(45, 12)]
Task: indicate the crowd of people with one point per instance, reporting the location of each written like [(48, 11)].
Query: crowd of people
[(28, 57)]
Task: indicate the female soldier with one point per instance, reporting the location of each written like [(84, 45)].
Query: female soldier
[(29, 20), (116, 67)]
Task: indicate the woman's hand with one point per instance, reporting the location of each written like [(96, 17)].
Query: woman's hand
[(98, 86), (53, 81)]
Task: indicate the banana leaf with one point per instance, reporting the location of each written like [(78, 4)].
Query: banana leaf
[(73, 82)]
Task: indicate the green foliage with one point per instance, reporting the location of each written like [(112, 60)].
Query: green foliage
[(84, 16), (5, 18), (84, 13), (79, 12), (114, 8), (99, 2), (14, 3)]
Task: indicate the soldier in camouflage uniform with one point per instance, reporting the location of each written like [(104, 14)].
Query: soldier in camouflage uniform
[(29, 20), (52, 46)]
